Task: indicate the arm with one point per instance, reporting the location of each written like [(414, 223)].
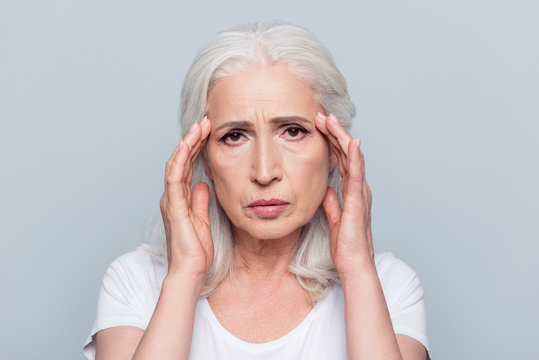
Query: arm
[(170, 328), (190, 254), (117, 343), (369, 332)]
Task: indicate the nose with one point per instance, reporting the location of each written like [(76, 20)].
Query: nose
[(266, 162)]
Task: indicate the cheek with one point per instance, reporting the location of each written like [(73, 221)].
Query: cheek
[(226, 170), (220, 161), (313, 156), (222, 175), (309, 170)]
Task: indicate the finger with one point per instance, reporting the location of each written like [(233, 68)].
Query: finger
[(353, 193), (175, 193), (205, 127), (193, 135), (205, 124), (188, 176), (332, 207), (367, 194), (368, 198), (201, 221), (200, 202), (169, 163), (341, 134), (320, 122), (341, 156), (341, 161), (340, 147), (191, 140)]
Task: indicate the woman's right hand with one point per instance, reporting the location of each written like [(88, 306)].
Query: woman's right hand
[(185, 212)]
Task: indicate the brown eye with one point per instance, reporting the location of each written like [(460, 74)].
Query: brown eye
[(295, 132), (235, 136)]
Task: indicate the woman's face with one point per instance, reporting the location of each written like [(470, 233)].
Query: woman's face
[(268, 162)]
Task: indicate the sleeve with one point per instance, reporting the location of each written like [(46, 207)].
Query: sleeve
[(123, 298), (404, 297)]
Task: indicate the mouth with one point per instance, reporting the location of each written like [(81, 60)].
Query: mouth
[(268, 208)]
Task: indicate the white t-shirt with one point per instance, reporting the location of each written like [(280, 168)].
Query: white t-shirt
[(132, 285)]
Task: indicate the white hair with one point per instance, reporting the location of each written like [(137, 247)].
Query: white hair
[(264, 42)]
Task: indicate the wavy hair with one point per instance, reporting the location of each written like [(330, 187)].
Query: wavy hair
[(265, 42)]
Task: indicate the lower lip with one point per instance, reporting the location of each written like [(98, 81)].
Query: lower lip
[(269, 210)]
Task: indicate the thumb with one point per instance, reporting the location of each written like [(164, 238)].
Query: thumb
[(332, 207)]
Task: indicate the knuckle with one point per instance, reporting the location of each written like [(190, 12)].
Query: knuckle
[(171, 180)]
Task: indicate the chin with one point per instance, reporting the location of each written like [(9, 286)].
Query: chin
[(269, 230)]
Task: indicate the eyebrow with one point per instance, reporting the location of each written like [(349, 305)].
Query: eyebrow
[(276, 121)]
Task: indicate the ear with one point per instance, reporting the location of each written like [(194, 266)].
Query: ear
[(332, 161), (207, 166)]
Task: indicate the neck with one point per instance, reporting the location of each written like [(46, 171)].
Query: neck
[(264, 258)]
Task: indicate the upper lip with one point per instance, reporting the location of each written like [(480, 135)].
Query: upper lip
[(263, 202)]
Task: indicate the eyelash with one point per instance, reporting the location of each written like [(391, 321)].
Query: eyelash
[(302, 130), (229, 134), (237, 132)]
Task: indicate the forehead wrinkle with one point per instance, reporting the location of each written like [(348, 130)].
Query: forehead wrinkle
[(275, 121), (286, 119)]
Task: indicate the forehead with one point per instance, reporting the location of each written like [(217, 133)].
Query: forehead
[(270, 90)]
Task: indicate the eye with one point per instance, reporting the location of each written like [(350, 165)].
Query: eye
[(232, 137), (295, 132)]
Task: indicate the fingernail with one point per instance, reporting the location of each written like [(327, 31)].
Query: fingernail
[(204, 121), (180, 145), (320, 115), (193, 126), (333, 118)]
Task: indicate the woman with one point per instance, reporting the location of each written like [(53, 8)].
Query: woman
[(261, 260)]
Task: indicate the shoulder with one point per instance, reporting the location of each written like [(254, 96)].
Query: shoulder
[(139, 259), (138, 271), (129, 292), (391, 267), (398, 280), (404, 297)]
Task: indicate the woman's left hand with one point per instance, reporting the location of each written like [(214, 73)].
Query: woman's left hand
[(350, 227)]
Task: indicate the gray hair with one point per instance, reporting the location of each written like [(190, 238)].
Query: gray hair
[(264, 42)]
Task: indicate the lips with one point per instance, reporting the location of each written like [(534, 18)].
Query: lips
[(268, 208)]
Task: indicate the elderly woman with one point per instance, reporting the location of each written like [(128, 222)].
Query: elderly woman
[(269, 254)]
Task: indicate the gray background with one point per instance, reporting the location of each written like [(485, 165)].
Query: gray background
[(447, 95)]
